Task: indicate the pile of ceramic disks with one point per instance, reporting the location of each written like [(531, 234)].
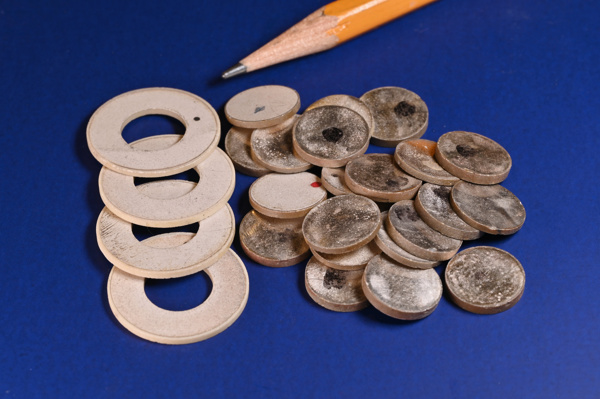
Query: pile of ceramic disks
[(434, 195), (162, 204)]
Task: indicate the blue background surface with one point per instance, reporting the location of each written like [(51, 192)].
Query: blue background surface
[(524, 73)]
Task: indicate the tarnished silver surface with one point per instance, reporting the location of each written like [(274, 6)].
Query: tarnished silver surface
[(378, 177), (286, 195), (485, 280), (416, 157), (391, 249), (273, 148), (401, 292), (333, 180), (237, 146), (330, 136), (341, 224), (411, 233), (433, 206), (273, 242), (491, 209), (399, 114), (353, 260), (473, 157), (346, 101), (338, 290)]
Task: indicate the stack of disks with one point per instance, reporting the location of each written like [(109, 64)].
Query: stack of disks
[(434, 195), (165, 204)]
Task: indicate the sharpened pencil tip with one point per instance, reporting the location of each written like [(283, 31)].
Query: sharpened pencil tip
[(235, 70)]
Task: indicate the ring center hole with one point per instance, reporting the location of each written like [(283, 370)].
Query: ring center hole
[(333, 134), (178, 294), (190, 175), (143, 232), (151, 125)]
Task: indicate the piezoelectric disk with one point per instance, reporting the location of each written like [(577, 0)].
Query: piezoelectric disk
[(262, 106), (132, 308), (121, 248), (432, 203), (353, 260), (124, 199), (237, 146), (286, 195), (485, 280), (411, 233), (272, 148), (491, 209), (341, 224), (273, 242), (337, 290), (202, 132), (473, 157), (416, 157), (401, 292), (391, 249), (330, 136), (399, 114), (333, 181), (350, 102), (377, 177)]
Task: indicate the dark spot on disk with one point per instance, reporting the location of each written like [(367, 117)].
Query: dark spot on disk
[(396, 183), (441, 192), (332, 134), (258, 109), (404, 109), (465, 150), (196, 118), (404, 213), (333, 279)]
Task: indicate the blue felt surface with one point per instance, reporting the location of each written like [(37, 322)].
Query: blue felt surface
[(524, 73)]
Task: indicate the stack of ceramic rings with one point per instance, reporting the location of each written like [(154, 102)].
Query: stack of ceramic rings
[(163, 204)]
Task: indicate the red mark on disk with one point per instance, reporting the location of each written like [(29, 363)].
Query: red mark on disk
[(315, 184)]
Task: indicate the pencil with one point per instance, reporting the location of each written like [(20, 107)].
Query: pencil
[(325, 28)]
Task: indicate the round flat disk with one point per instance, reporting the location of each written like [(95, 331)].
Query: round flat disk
[(341, 224), (273, 148), (411, 233), (391, 249), (485, 280), (433, 206), (473, 157), (237, 146), (286, 195), (330, 136), (416, 157), (378, 177), (399, 114), (401, 292), (133, 309), (491, 209), (262, 106), (337, 290), (273, 242), (119, 245), (124, 199), (353, 260), (333, 181), (202, 132), (346, 101)]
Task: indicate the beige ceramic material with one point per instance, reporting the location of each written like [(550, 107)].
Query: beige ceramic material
[(346, 101), (273, 242), (286, 195), (124, 199), (237, 146), (133, 309), (262, 106), (416, 157), (119, 245), (353, 260), (337, 290), (333, 181), (202, 132)]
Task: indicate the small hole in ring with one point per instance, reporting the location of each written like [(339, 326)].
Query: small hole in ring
[(196, 118)]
